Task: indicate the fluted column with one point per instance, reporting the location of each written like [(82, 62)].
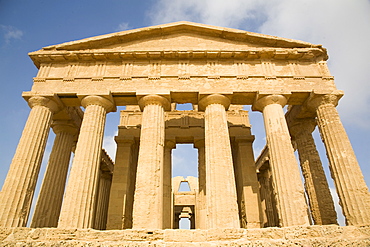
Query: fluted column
[(201, 206), (78, 205), (167, 181), (317, 188), (249, 182), (117, 218), (148, 198), (353, 193), (222, 208), (105, 180), (19, 186), (50, 198), (268, 198), (290, 194), (131, 186)]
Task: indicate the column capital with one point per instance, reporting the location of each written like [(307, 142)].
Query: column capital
[(198, 143), (170, 144), (298, 126), (64, 126), (125, 140), (44, 101), (154, 99), (214, 99), (261, 103), (244, 139), (107, 104), (316, 100)]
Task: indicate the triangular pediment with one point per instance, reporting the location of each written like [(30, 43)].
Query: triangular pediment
[(183, 42), (180, 36), (179, 40)]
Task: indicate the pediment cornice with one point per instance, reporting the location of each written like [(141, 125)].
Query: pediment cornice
[(106, 54), (181, 27), (256, 45)]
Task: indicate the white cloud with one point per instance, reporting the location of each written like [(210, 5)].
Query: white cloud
[(230, 13), (123, 26), (11, 33)]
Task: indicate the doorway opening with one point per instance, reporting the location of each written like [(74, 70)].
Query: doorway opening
[(184, 186), (184, 223), (185, 161)]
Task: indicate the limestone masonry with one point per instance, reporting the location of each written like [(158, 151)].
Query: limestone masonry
[(134, 201)]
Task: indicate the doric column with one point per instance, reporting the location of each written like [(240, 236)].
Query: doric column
[(317, 188), (268, 198), (50, 198), (201, 206), (19, 186), (353, 193), (222, 208), (148, 199), (105, 180), (246, 168), (167, 206), (131, 187), (117, 217), (78, 205), (290, 194)]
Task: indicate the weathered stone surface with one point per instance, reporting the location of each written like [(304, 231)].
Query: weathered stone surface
[(354, 196), (316, 186), (291, 203), (147, 211), (17, 192), (51, 193), (329, 235), (217, 71), (222, 208), (79, 202)]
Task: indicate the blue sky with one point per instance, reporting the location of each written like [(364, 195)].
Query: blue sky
[(342, 26)]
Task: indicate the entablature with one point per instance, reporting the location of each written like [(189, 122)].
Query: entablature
[(182, 69), (128, 92)]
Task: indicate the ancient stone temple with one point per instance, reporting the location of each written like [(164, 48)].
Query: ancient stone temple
[(134, 201)]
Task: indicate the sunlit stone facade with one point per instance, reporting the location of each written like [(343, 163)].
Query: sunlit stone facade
[(217, 71)]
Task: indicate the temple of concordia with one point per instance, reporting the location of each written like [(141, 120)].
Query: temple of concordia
[(134, 201)]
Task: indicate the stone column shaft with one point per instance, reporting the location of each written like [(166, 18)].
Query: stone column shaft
[(317, 188), (167, 187), (353, 193), (19, 186), (50, 198), (78, 205), (131, 187), (102, 200), (222, 208), (148, 198), (201, 207), (117, 219), (268, 198), (239, 186), (249, 183), (290, 194)]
